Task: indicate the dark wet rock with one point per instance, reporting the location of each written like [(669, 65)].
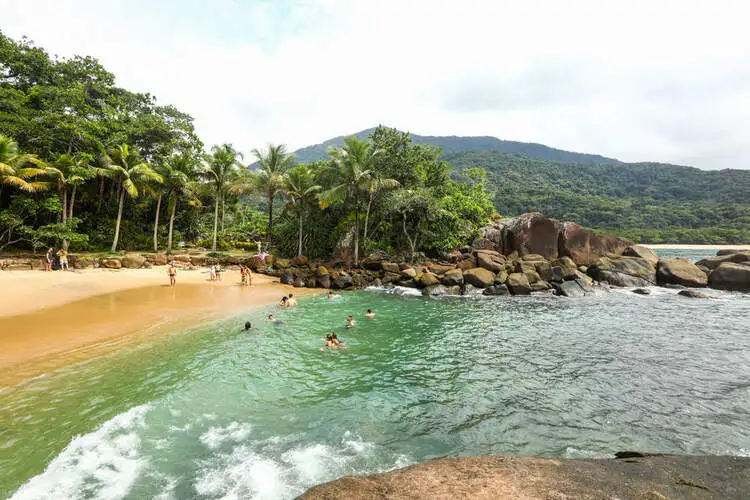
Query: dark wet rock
[(642, 291), (453, 277), (673, 287), (693, 294), (518, 284), (730, 276), (408, 283), (342, 283), (680, 272), (496, 290), (391, 278), (287, 278), (572, 288), (479, 277), (729, 251), (642, 252), (323, 281), (654, 477)]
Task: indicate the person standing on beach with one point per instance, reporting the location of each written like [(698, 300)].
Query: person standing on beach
[(212, 272), (50, 259), (63, 254), (172, 272)]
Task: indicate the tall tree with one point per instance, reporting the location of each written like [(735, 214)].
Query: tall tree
[(353, 166), (373, 187), (179, 172), (221, 171), (301, 189), (274, 164), (129, 172), (71, 170), (20, 170)]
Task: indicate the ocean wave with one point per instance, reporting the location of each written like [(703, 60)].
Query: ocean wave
[(216, 436), (102, 464), (395, 290)]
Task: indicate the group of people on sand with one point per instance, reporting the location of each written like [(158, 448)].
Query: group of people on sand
[(62, 256)]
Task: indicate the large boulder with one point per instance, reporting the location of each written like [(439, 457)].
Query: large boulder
[(83, 262), (623, 271), (287, 278), (300, 261), (342, 282), (426, 279), (185, 259), (111, 263), (133, 261), (390, 267), (433, 290), (585, 247), (439, 269), (730, 276), (490, 262), (323, 281), (714, 262), (571, 288), (409, 273), (479, 277), (642, 252), (518, 284), (161, 259), (680, 272), (282, 263), (567, 266), (482, 244), (452, 278), (532, 233)]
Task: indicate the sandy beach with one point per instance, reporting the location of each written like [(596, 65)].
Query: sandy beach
[(50, 320)]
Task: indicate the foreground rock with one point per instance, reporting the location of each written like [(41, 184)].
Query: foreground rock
[(642, 477), (680, 272), (731, 276), (623, 271)]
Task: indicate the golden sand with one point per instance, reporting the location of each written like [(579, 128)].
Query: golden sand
[(50, 320)]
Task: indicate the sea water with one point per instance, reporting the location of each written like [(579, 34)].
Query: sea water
[(216, 412)]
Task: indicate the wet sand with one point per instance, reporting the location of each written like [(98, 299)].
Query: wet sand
[(96, 312)]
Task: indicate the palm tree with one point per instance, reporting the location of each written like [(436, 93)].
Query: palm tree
[(352, 164), (70, 170), (373, 186), (19, 169), (300, 186), (129, 171), (274, 163), (177, 179), (221, 171)]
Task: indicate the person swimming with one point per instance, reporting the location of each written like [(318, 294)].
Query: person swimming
[(248, 326), (335, 339), (331, 295), (350, 322), (370, 314), (292, 301), (275, 321), (284, 301)]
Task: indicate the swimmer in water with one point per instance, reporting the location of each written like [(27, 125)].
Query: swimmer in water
[(248, 326), (331, 295), (275, 321), (349, 322), (369, 314), (292, 301), (335, 339), (284, 301)]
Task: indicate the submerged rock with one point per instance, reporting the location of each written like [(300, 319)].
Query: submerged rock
[(496, 290), (634, 476), (574, 288), (693, 294), (642, 291)]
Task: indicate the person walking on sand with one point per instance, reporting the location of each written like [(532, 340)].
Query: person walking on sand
[(50, 259), (63, 254), (172, 272)]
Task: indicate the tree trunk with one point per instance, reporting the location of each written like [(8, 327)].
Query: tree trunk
[(367, 222), (412, 243), (216, 221), (101, 194), (223, 209), (64, 204), (119, 218), (171, 224), (72, 201), (356, 228), (270, 219), (299, 251), (156, 224)]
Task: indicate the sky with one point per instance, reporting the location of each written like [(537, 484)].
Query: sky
[(637, 80)]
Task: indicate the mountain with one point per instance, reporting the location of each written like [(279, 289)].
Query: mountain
[(455, 144)]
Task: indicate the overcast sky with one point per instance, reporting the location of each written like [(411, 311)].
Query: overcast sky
[(637, 80)]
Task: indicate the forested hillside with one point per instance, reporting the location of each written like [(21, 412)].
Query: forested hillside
[(650, 202), (453, 144)]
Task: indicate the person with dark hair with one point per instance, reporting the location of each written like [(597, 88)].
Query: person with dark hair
[(284, 301), (350, 322), (172, 272), (369, 314), (248, 326), (50, 259)]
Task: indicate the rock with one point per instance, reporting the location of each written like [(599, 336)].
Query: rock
[(409, 283), (390, 267), (532, 276), (571, 289), (680, 272), (409, 273), (486, 261), (479, 277), (433, 290), (584, 278), (283, 263), (161, 259), (728, 251), (496, 290), (132, 262), (635, 476), (501, 277), (540, 286), (533, 257), (300, 261), (468, 263), (714, 262), (323, 281), (482, 243), (113, 263), (201, 260), (522, 267), (452, 278), (693, 294), (287, 278), (322, 271), (518, 284), (642, 291), (390, 278), (426, 279), (185, 259), (439, 269), (452, 290), (567, 265), (585, 247), (730, 276), (642, 252), (623, 271), (342, 282), (83, 262), (532, 233)]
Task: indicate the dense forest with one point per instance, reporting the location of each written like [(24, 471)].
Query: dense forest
[(94, 166)]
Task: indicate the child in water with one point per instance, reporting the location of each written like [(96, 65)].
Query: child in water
[(370, 314), (350, 322)]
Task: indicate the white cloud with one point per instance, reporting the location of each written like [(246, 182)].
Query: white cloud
[(637, 80)]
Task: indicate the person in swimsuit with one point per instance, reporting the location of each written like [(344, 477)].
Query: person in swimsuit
[(284, 301), (172, 272), (212, 272), (63, 254), (350, 322), (335, 339), (50, 259), (292, 301), (369, 314), (275, 321)]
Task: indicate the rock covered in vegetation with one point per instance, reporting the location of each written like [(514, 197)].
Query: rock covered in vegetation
[(731, 276), (635, 475), (680, 272)]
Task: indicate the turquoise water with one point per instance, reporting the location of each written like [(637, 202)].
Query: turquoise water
[(215, 412)]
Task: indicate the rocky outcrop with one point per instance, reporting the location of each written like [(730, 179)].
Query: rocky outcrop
[(623, 271), (111, 263), (714, 262), (133, 261), (634, 476), (642, 252), (693, 294), (454, 277), (500, 289), (518, 284), (479, 277), (731, 276), (574, 288), (680, 272), (585, 247), (426, 279)]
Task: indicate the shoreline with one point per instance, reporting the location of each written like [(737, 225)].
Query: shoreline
[(52, 320), (687, 246)]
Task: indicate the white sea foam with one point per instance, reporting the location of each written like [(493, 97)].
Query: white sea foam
[(102, 464), (216, 436), (241, 474), (395, 290)]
